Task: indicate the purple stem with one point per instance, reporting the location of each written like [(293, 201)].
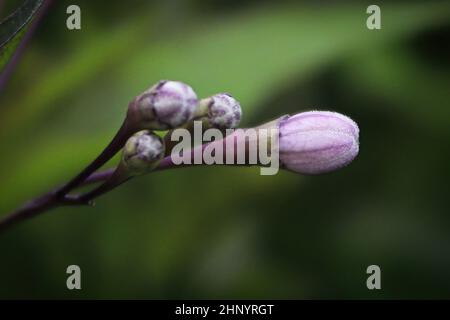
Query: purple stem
[(56, 198), (113, 147)]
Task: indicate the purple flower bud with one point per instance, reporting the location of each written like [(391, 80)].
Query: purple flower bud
[(142, 152), (224, 112), (317, 141), (167, 105)]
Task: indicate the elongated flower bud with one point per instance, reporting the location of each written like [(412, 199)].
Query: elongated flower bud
[(220, 111), (142, 152), (317, 141), (166, 105)]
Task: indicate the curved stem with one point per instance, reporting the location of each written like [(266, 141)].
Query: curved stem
[(29, 210), (35, 207), (98, 176), (113, 147), (60, 196), (49, 200), (116, 178), (113, 177)]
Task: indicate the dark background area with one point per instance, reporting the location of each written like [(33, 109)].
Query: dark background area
[(226, 232)]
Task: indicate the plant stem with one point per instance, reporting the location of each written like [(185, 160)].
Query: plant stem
[(116, 178), (60, 196), (29, 210), (36, 206), (113, 177), (113, 147), (49, 200), (98, 176)]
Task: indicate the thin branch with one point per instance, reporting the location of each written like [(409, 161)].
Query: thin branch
[(113, 147), (98, 176), (115, 179), (50, 200), (37, 206), (59, 196), (55, 199)]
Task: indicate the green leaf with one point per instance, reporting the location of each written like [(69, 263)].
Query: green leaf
[(13, 28)]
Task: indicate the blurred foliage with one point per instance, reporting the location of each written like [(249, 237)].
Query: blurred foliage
[(215, 232), (14, 27)]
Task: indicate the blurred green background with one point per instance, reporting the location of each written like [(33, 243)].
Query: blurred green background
[(224, 232)]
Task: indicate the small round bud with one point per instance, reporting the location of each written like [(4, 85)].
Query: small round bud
[(166, 105), (317, 141), (224, 112), (142, 152)]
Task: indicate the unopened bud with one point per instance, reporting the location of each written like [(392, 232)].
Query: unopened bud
[(221, 111), (166, 105), (142, 152), (317, 142)]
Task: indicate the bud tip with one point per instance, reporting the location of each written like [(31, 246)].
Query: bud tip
[(316, 142)]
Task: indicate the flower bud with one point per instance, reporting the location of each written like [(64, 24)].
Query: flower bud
[(166, 105), (221, 111), (142, 152), (317, 141)]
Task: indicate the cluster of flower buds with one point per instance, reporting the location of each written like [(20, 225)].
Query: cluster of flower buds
[(309, 143), (312, 142), (173, 104), (170, 105)]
